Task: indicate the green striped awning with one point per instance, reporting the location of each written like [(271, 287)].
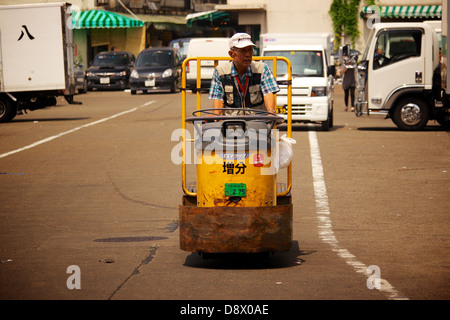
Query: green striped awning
[(404, 11), (102, 19), (206, 16)]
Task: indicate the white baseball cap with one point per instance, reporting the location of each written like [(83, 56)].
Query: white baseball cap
[(241, 40)]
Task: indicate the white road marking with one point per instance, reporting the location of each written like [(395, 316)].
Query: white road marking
[(325, 224), (59, 135)]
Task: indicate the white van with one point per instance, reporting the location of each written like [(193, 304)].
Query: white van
[(312, 76), (204, 47)]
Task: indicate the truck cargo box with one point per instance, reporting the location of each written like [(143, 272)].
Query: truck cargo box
[(33, 48)]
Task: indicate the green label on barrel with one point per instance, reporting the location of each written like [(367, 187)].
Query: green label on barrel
[(235, 190)]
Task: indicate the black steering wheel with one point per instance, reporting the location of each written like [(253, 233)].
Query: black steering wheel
[(209, 115)]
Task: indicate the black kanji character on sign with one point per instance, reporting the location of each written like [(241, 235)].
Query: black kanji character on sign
[(228, 167), (239, 167), (28, 33)]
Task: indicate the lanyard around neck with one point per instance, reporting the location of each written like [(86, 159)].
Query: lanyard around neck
[(244, 90)]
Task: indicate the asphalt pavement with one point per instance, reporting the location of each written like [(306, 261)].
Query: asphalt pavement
[(90, 195)]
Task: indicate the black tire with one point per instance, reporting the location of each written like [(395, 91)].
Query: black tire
[(326, 125), (176, 86), (411, 114), (52, 101), (331, 116), (8, 110), (84, 88)]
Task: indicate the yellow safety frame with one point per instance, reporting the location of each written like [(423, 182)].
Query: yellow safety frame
[(183, 109)]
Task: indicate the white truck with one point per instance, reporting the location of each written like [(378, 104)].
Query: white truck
[(399, 75), (312, 75), (36, 57)]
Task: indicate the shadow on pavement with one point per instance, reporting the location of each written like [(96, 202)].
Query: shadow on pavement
[(293, 257), (426, 129)]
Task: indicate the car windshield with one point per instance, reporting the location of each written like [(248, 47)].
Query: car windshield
[(111, 60), (154, 59), (182, 45), (304, 63)]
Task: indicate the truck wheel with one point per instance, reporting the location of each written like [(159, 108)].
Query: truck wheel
[(8, 110), (331, 117), (411, 114)]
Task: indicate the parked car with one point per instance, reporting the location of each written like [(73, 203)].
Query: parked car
[(156, 69), (80, 79), (110, 70)]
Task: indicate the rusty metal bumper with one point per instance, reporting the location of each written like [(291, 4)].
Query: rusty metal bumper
[(235, 229)]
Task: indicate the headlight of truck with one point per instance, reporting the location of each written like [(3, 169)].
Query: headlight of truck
[(134, 74), (318, 91), (167, 73)]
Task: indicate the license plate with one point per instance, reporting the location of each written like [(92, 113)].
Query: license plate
[(281, 110), (104, 80), (235, 189), (150, 83)]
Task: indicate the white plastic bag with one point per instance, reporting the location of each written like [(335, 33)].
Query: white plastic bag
[(285, 151)]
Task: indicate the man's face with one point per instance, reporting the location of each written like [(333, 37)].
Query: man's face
[(242, 56)]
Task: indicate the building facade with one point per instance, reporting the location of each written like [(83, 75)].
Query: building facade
[(309, 16), (161, 21)]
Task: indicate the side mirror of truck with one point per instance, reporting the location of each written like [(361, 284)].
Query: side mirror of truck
[(346, 50), (331, 71)]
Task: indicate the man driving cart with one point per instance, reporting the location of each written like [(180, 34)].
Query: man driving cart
[(234, 205)]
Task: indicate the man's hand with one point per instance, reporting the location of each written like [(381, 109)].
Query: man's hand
[(269, 102), (217, 104)]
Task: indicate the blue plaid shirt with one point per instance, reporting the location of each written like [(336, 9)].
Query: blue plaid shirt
[(268, 82)]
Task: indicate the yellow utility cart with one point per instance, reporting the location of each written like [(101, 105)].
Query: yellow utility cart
[(236, 204)]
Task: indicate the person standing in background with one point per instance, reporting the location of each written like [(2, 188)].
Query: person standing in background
[(348, 84)]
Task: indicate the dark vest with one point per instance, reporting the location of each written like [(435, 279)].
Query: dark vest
[(234, 98)]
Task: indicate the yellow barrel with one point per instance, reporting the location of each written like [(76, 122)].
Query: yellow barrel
[(234, 165)]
